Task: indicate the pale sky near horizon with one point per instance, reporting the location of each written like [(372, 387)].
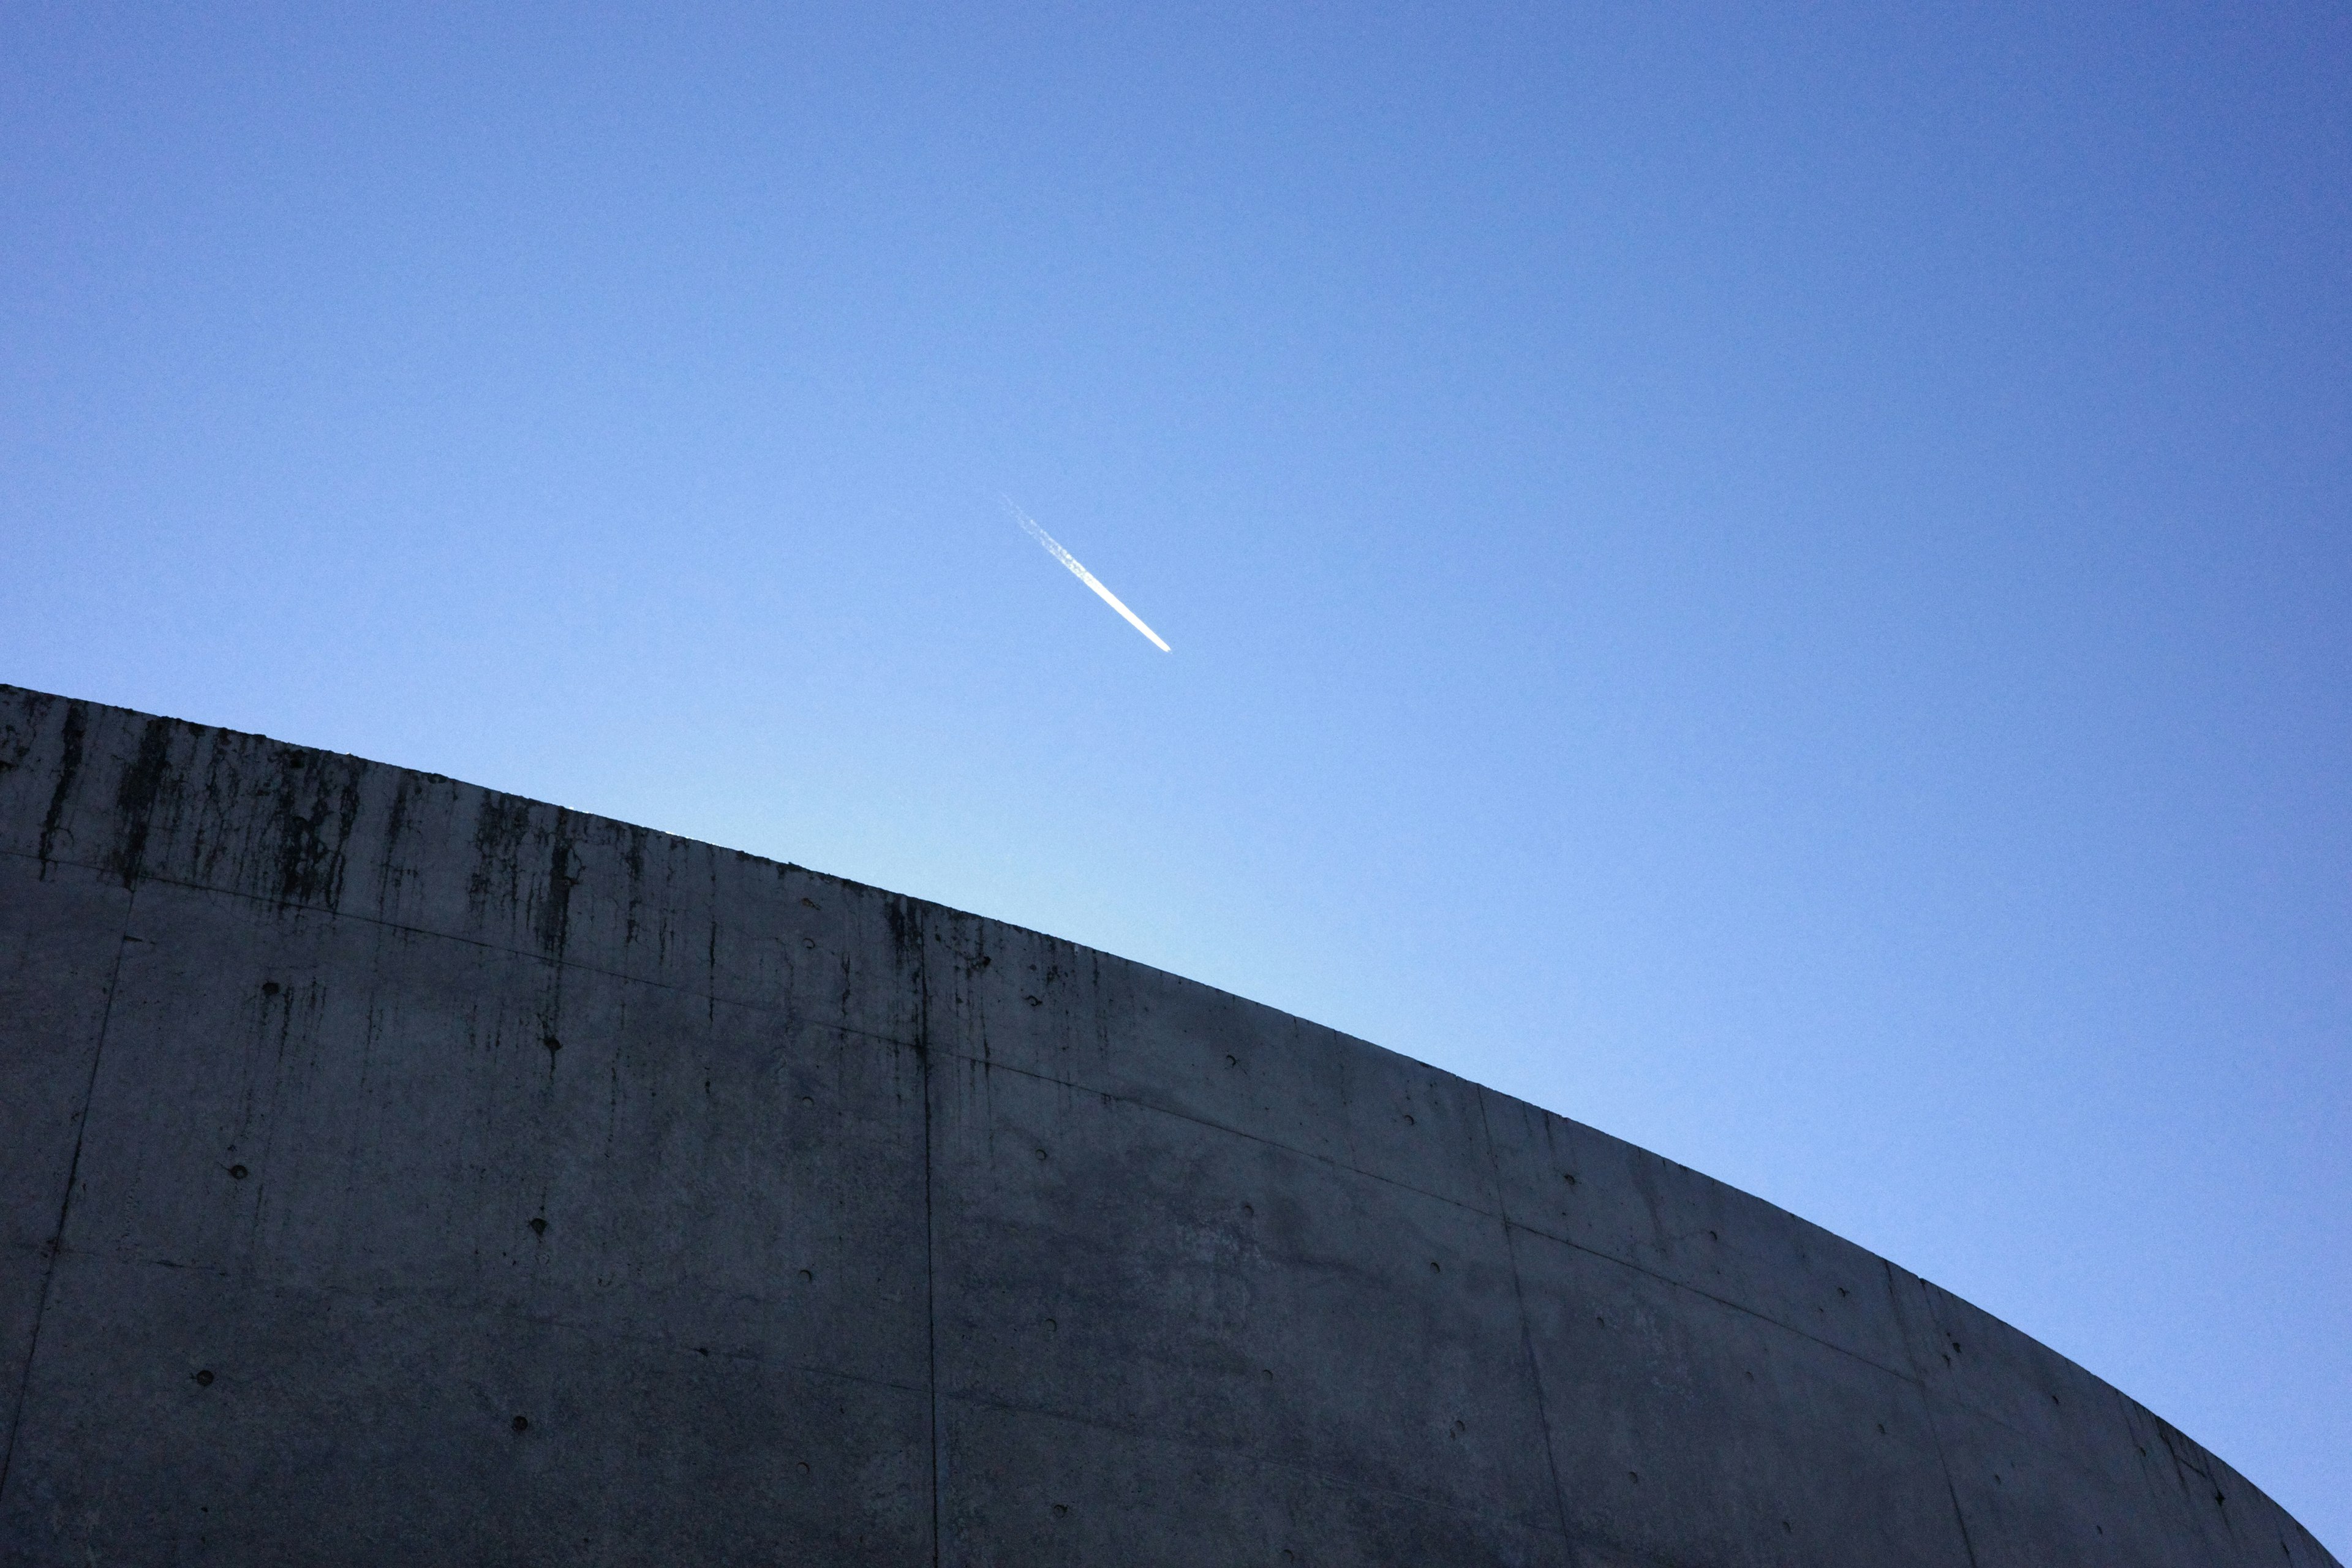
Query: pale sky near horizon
[(1774, 580)]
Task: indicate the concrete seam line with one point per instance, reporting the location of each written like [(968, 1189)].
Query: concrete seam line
[(1527, 1330), (2122, 1403), (1336, 1164), (64, 1202), (920, 1047), (1170, 1112), (851, 1030), (1927, 1414), (532, 955), (931, 1234), (784, 1009)]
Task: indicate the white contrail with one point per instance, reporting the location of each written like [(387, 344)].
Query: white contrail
[(1070, 561)]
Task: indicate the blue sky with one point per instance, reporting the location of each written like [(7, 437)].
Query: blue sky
[(1775, 580)]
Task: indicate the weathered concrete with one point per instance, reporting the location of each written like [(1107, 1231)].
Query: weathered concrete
[(397, 1172)]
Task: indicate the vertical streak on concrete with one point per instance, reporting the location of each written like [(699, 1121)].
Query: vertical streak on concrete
[(65, 1204), (2155, 1497), (77, 727), (931, 1234), (1527, 1335), (135, 798), (1927, 1409)]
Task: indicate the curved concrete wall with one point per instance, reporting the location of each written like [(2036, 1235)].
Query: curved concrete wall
[(398, 1172)]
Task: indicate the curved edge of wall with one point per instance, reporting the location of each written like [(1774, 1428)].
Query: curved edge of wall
[(397, 1170)]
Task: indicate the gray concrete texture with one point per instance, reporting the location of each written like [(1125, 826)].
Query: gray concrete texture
[(394, 1171)]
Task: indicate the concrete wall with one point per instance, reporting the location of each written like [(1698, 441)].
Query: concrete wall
[(397, 1172)]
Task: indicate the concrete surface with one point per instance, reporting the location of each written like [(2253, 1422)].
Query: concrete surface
[(397, 1172)]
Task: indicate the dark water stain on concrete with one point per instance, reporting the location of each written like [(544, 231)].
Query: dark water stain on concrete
[(69, 769), (388, 875), (562, 876), (500, 828), (311, 863), (136, 798)]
